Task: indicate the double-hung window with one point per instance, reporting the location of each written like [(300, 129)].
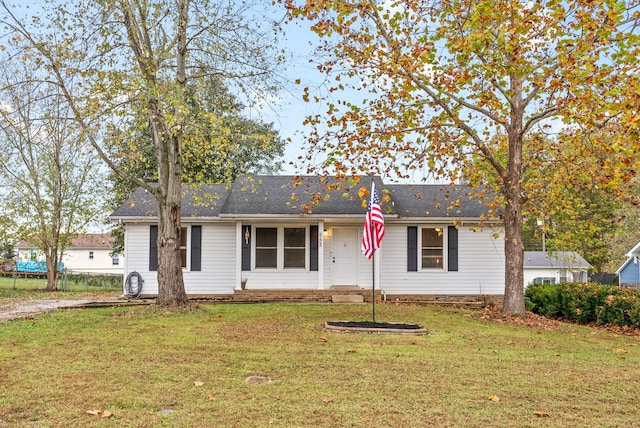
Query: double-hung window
[(184, 237), (266, 247), (295, 247), (190, 247), (432, 248), (281, 247)]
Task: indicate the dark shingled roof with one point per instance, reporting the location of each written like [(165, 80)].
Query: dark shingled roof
[(436, 200), (280, 195), (204, 200), (285, 195)]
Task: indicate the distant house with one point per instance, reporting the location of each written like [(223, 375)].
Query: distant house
[(87, 253), (554, 267), (629, 272), (260, 233)]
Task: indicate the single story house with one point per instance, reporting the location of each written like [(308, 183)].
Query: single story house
[(554, 267), (629, 272), (292, 233), (87, 253)]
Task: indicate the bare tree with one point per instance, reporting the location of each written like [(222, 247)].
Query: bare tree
[(49, 172), (107, 56)]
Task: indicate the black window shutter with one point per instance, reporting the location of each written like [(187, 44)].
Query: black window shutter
[(196, 248), (153, 248), (452, 247), (246, 246), (412, 249), (313, 248)]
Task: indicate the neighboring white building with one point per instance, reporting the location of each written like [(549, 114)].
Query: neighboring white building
[(88, 253), (554, 267)]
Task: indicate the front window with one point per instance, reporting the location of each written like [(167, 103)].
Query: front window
[(266, 247), (432, 247), (115, 259), (183, 246), (294, 247), (90, 255), (280, 247)]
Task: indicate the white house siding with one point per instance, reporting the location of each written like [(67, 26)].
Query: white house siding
[(480, 266), (532, 273), (218, 260), (136, 248), (218, 275), (558, 274)]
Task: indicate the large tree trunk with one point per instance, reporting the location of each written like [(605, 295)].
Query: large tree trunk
[(171, 291), (514, 258), (514, 245), (52, 272)]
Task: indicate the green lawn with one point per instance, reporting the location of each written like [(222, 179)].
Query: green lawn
[(149, 368), (76, 287)]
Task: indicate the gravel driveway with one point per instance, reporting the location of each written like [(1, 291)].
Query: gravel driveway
[(27, 308)]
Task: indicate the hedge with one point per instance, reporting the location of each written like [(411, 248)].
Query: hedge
[(586, 303)]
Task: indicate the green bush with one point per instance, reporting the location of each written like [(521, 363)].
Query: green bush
[(586, 303)]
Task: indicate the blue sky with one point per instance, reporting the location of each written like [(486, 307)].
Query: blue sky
[(289, 111)]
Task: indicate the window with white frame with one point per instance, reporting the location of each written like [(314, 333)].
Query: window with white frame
[(183, 246), (90, 255), (432, 248), (190, 247), (115, 259), (281, 247), (266, 247), (294, 247)]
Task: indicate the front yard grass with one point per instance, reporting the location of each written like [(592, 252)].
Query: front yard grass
[(144, 367), (25, 288)]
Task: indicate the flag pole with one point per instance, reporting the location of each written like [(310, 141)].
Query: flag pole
[(373, 267), (373, 287)]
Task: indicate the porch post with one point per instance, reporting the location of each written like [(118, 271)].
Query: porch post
[(238, 279), (321, 245)]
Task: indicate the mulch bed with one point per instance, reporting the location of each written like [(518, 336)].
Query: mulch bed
[(371, 324), (375, 327)]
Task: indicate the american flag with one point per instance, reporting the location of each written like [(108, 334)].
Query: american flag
[(373, 226)]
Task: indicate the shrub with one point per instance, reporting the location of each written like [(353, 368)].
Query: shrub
[(586, 303)]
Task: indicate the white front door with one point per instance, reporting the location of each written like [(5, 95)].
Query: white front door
[(344, 256)]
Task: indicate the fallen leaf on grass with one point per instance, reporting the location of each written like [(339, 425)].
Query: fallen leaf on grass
[(324, 339), (198, 383), (211, 398), (327, 400), (105, 414), (352, 350), (542, 414), (494, 398), (619, 351)]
